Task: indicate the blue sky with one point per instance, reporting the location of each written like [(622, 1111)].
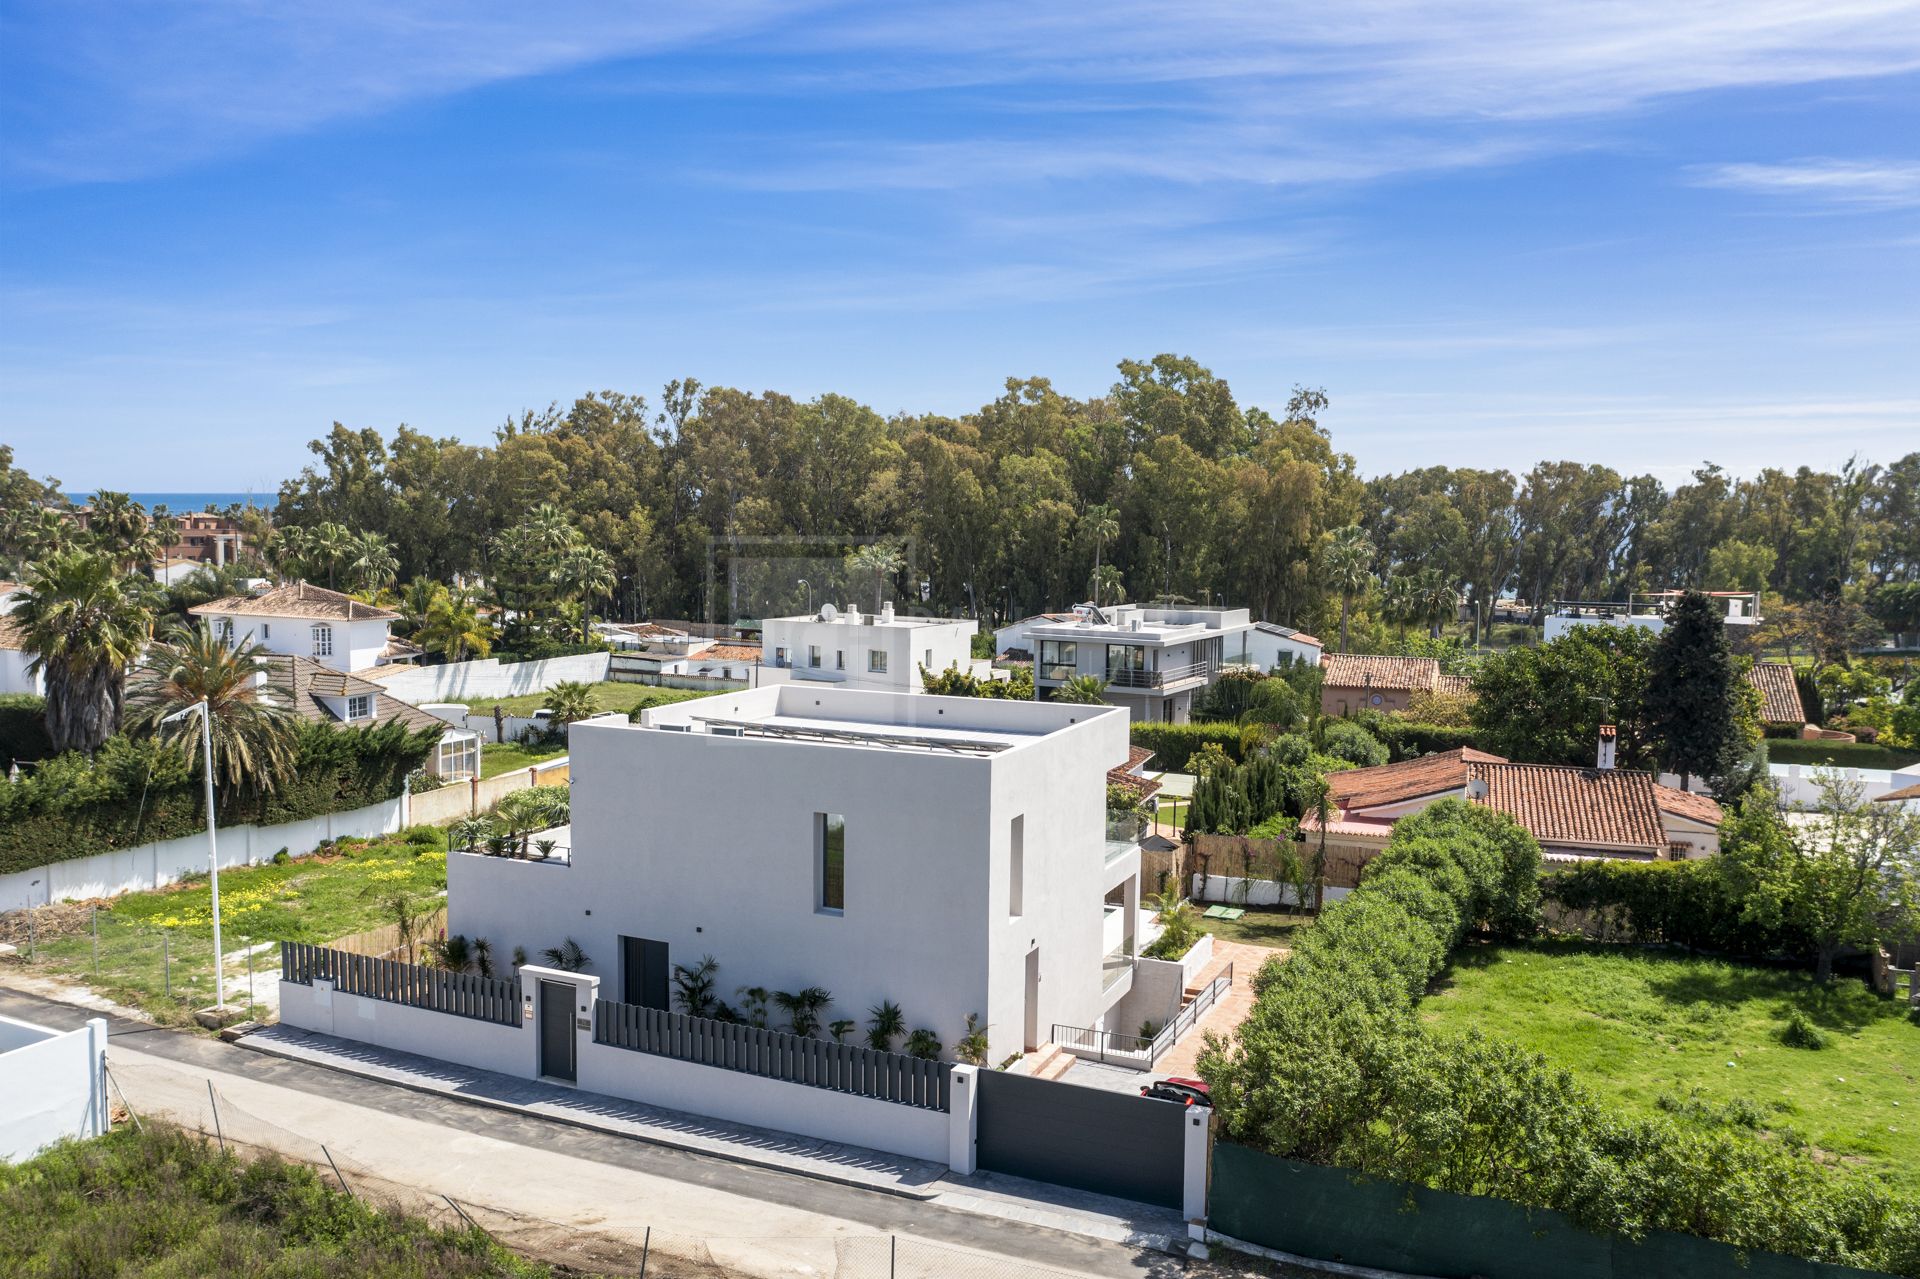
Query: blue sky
[(1632, 233)]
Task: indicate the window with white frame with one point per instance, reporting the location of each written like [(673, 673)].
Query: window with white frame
[(322, 640), (360, 706), (877, 661), (829, 863)]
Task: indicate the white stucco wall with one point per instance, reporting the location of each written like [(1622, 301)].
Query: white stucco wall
[(54, 1083), (705, 842), (908, 645), (357, 645), (466, 681), (1265, 650), (155, 865), (14, 677), (485, 1045)]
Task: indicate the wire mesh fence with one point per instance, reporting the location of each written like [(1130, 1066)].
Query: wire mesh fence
[(164, 969), (621, 1251)]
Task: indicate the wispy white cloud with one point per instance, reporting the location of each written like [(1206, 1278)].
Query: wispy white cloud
[(1879, 184)]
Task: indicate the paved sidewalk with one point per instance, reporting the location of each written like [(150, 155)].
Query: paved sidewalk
[(761, 1147)]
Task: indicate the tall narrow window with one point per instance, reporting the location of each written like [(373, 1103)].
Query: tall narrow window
[(1017, 868), (813, 656), (830, 862), (839, 659), (266, 630), (929, 662), (323, 641), (877, 661)]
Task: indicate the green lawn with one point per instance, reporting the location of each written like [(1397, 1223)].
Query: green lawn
[(507, 756), (1260, 926), (155, 950), (609, 696), (1838, 754), (1654, 1032)]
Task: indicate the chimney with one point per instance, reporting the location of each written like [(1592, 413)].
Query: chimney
[(886, 612), (1608, 736)]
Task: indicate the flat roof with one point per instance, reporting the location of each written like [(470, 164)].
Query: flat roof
[(864, 718)]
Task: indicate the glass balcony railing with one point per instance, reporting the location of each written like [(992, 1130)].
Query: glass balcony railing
[(1124, 832)]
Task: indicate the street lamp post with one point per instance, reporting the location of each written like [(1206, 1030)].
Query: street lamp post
[(213, 853)]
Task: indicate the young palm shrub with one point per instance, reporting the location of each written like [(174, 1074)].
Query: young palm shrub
[(571, 701), (1089, 690), (693, 986), (923, 1043), (566, 956), (972, 1047), (885, 1023), (840, 1028), (253, 734), (803, 1008)]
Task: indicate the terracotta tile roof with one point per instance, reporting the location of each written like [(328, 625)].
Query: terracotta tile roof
[(1363, 670), (12, 637), (1699, 808), (6, 587), (649, 630), (1779, 693), (1455, 685), (727, 653), (297, 599), (1896, 796), (1360, 788), (302, 682), (1606, 808), (400, 650), (1127, 775)]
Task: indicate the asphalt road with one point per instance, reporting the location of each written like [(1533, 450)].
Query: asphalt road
[(756, 1220)]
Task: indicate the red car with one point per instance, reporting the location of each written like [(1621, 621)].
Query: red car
[(1188, 1092)]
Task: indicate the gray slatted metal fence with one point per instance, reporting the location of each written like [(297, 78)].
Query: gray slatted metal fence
[(773, 1054), (494, 999)]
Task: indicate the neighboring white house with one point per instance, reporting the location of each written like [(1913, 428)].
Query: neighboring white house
[(55, 1083), (951, 855), (1647, 611), (14, 676), (1154, 660), (303, 620), (1269, 644), (881, 651)]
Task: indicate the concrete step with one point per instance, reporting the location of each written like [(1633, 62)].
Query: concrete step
[(1059, 1062)]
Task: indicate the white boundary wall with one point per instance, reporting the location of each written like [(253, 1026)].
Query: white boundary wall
[(155, 865), (1260, 892), (55, 1083), (465, 681), (1799, 784), (635, 1076)]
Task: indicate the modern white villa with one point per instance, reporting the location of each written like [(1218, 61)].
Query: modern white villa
[(951, 855), (881, 651), (1154, 660), (303, 620), (1647, 610)]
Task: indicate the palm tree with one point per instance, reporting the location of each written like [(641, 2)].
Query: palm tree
[(803, 1008), (371, 561), (329, 547), (1439, 601), (885, 1023), (416, 600), (882, 559), (571, 701), (1102, 524), (120, 528), (1089, 690), (585, 573), (1347, 561), (254, 736), (83, 624), (454, 628), (1401, 601)]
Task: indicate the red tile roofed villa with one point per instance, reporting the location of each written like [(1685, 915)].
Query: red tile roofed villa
[(303, 620), (1372, 681), (1575, 813)]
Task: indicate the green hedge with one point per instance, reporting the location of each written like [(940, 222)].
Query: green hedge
[(1333, 1066), (1839, 754), (1405, 739), (1174, 744), (1683, 903), (136, 792), (23, 728)]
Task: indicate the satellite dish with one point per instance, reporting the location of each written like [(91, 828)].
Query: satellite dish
[(828, 612)]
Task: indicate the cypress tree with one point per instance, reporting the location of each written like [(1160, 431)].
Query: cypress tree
[(1693, 706)]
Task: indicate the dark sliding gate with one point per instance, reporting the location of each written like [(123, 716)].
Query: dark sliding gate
[(1112, 1143)]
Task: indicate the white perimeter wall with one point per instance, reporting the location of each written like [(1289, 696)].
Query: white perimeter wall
[(55, 1085), (1259, 892), (465, 681), (1799, 784), (156, 865), (705, 842), (621, 1072)]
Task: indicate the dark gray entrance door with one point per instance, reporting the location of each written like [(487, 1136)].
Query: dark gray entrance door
[(643, 972), (556, 1030), (1111, 1143)]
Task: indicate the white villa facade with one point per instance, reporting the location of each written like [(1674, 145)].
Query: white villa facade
[(303, 620), (880, 651), (948, 854), (1154, 660), (1646, 611)]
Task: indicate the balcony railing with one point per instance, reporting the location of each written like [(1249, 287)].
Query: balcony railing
[(1058, 670), (1127, 677), (1124, 833), (1132, 1050)]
